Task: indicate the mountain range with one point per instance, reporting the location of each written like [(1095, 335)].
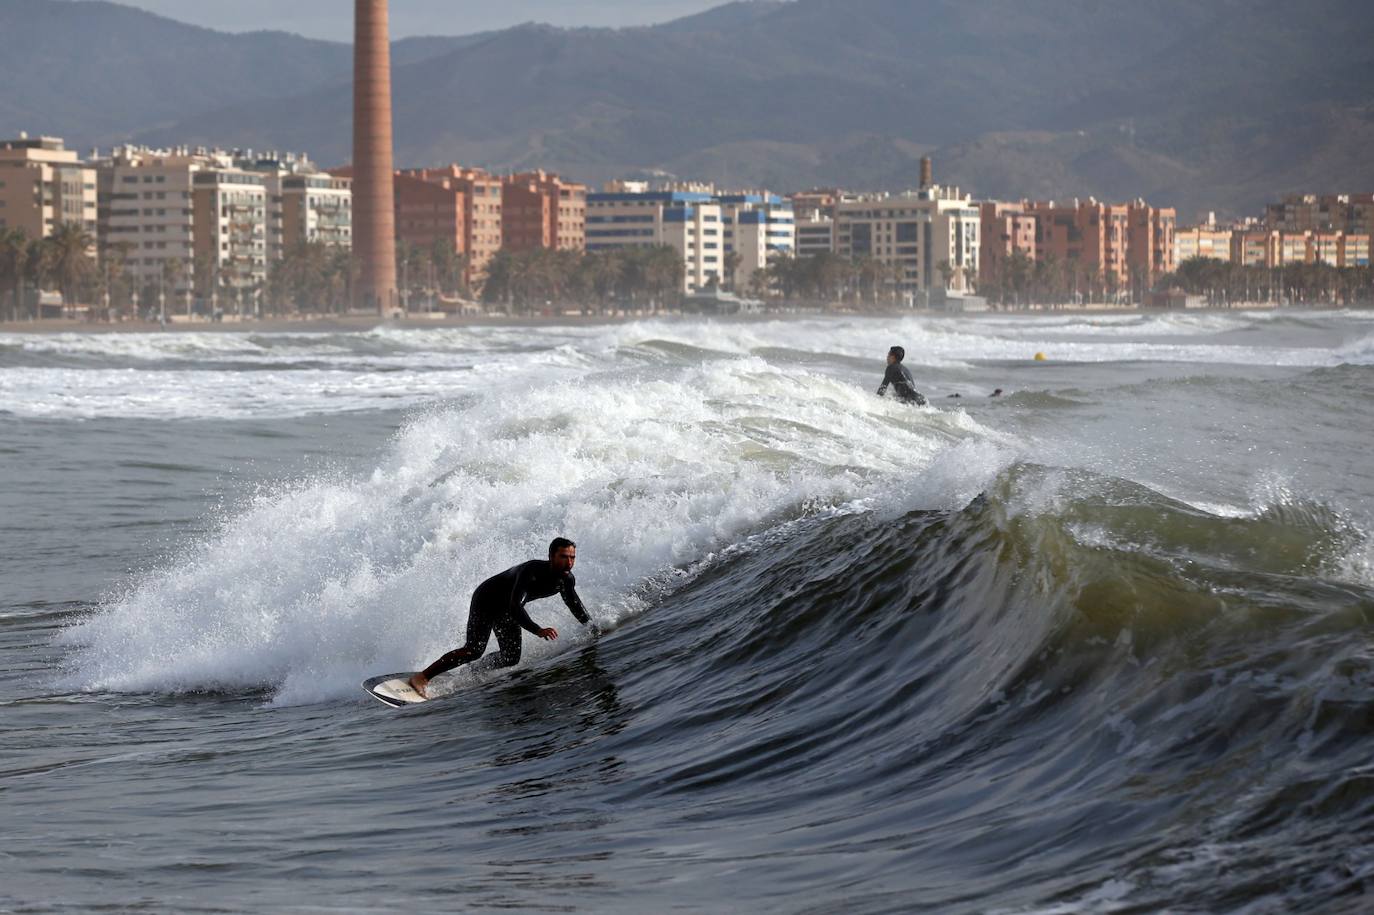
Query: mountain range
[(1221, 105)]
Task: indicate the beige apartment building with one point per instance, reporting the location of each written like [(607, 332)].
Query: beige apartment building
[(44, 185), (1202, 241), (1274, 249), (180, 217), (146, 215), (930, 238)]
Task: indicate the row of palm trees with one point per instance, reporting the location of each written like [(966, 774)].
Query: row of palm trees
[(313, 278), (1225, 284), (62, 260), (595, 281)]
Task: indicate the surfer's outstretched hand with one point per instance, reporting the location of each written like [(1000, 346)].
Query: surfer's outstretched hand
[(549, 634), (418, 683)]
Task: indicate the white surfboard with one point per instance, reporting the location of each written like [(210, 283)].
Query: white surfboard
[(394, 689)]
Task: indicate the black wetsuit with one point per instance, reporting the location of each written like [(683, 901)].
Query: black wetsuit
[(499, 604), (903, 385)]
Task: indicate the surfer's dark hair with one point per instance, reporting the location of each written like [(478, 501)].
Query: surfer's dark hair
[(898, 352), (558, 544)]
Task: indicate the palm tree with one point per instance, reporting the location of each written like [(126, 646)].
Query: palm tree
[(608, 272), (67, 255), (14, 256), (664, 272), (731, 265)]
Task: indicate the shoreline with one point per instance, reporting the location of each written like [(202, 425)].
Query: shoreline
[(359, 323)]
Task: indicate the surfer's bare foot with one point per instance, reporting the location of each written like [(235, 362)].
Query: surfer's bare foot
[(418, 683)]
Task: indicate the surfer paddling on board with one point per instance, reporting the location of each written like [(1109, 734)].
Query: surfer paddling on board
[(499, 604), (899, 376)]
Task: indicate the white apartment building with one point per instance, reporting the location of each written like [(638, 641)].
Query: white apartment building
[(316, 208), (757, 227), (230, 219), (627, 215), (303, 203), (929, 238), (815, 233)]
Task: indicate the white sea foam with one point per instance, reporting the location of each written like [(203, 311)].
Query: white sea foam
[(314, 587), (239, 375), (653, 444)]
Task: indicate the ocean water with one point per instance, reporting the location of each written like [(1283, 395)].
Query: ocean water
[(1102, 644)]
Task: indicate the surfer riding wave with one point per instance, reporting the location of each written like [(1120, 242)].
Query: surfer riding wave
[(498, 605)]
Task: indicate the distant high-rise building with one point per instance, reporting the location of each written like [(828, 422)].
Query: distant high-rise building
[(374, 232)]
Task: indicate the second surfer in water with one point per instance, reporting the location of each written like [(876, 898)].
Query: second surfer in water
[(899, 377), (499, 604)]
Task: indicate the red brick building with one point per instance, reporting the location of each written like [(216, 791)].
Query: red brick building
[(540, 210), (1006, 229), (1083, 237), (461, 204), (1150, 240)]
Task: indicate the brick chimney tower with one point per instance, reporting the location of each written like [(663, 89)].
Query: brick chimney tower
[(927, 172), (374, 215)]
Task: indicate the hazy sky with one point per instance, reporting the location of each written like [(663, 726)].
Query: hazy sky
[(333, 19)]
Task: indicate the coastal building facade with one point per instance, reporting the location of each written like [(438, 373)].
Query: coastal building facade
[(928, 239), (1202, 241), (44, 185), (815, 232), (756, 228), (230, 221), (541, 210), (316, 209), (1006, 232), (318, 206), (147, 216), (1083, 238), (460, 206), (1352, 214), (626, 214), (1272, 249), (1149, 240)]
